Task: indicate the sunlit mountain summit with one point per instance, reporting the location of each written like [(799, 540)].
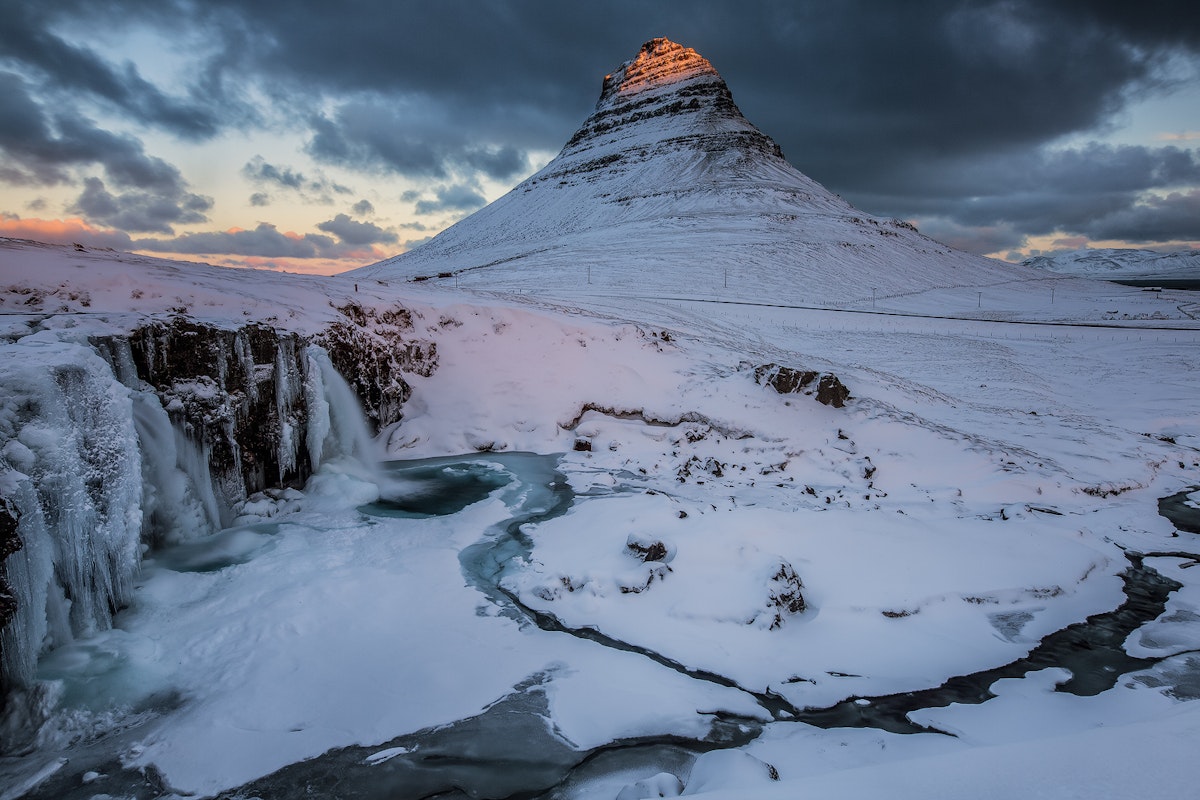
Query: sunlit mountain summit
[(668, 187)]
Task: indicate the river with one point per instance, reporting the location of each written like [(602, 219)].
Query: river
[(511, 749)]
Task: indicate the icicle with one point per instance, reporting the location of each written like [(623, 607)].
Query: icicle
[(288, 394), (74, 476), (178, 502), (117, 351), (30, 573)]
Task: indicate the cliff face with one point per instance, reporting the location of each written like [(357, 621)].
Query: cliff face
[(156, 436), (373, 349), (236, 394), (668, 98)]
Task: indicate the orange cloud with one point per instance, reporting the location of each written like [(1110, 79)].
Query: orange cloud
[(63, 231), (1184, 136), (74, 230)]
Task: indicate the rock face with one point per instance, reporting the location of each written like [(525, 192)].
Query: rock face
[(667, 187), (664, 83), (373, 349), (785, 380), (237, 394)]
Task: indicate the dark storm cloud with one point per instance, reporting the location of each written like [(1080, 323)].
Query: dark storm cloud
[(138, 211), (265, 241), (1155, 219), (1095, 190), (318, 189), (27, 40), (40, 148), (369, 136), (357, 233), (259, 171), (456, 197)]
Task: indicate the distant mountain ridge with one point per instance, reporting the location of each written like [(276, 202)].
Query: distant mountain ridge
[(1111, 263), (668, 187)]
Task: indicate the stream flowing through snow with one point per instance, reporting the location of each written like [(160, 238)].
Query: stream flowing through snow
[(513, 748)]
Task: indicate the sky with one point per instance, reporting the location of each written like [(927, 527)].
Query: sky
[(320, 136)]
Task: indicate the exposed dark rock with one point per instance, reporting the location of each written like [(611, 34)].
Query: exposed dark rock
[(647, 548), (629, 585), (9, 544), (656, 551), (238, 394), (787, 596), (373, 349), (785, 380), (583, 445), (831, 391)]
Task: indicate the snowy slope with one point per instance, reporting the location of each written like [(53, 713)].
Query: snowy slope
[(1107, 264), (976, 476), (666, 187)]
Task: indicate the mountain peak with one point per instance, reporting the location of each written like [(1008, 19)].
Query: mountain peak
[(667, 187), (659, 63), (667, 92)]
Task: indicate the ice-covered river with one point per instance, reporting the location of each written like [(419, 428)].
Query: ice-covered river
[(121, 696)]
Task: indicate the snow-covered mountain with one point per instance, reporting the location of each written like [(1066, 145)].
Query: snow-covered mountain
[(666, 187), (1116, 264)]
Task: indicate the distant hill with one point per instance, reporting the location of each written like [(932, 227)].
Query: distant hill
[(1114, 264)]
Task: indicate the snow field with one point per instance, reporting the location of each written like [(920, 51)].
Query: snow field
[(310, 626)]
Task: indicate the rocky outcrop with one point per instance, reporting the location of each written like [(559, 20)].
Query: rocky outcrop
[(785, 380), (373, 349), (669, 81), (238, 395), (9, 544), (787, 595)]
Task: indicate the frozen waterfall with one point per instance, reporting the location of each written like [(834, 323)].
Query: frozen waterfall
[(94, 470), (71, 474), (336, 423)]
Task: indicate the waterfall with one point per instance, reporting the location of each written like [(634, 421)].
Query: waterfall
[(337, 425), (178, 501), (93, 468)]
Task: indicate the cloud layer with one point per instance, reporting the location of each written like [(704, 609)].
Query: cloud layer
[(973, 116)]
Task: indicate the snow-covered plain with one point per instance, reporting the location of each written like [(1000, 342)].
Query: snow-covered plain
[(994, 473), (975, 494)]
